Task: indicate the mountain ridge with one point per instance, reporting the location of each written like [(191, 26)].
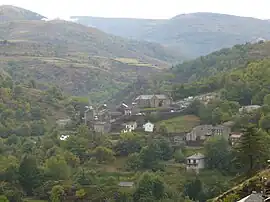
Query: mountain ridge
[(195, 34)]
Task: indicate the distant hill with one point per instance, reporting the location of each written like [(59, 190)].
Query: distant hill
[(81, 60), (203, 74), (220, 61), (194, 34), (11, 13)]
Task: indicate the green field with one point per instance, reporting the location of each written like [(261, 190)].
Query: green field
[(180, 124), (133, 61)]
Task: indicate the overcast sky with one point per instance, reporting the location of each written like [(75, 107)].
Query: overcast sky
[(158, 9)]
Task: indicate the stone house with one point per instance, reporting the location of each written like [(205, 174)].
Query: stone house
[(234, 138), (177, 139), (101, 127), (149, 127), (153, 101), (128, 110), (195, 162), (130, 126), (202, 132)]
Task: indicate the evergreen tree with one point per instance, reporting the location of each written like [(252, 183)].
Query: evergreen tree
[(29, 174), (252, 149)]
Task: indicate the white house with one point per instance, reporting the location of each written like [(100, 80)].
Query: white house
[(149, 127), (64, 137), (195, 162), (130, 126)]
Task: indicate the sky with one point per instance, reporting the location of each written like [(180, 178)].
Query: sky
[(152, 9)]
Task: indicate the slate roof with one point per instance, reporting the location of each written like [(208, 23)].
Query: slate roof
[(126, 184), (196, 156), (252, 198), (148, 97)]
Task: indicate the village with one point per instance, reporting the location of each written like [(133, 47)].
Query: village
[(134, 117)]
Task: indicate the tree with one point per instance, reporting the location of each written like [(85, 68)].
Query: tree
[(57, 194), (128, 144), (193, 189), (150, 188), (266, 100), (217, 153), (80, 194), (252, 150), (165, 149), (149, 156), (29, 174), (265, 122), (134, 162), (179, 156), (217, 116), (85, 177), (57, 168), (3, 199), (103, 154)]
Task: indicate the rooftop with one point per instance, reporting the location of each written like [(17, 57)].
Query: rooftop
[(236, 135), (196, 156), (148, 97), (126, 184), (254, 197)]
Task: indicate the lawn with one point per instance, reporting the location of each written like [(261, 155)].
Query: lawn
[(180, 124)]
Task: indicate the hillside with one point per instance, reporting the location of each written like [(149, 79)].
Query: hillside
[(245, 188), (195, 34), (11, 13), (195, 76), (79, 59), (27, 111), (246, 86), (221, 61)]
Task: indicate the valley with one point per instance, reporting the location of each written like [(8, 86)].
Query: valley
[(91, 115)]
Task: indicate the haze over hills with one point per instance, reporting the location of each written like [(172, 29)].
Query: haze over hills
[(79, 59), (195, 34), (11, 13)]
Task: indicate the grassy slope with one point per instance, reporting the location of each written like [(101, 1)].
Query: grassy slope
[(180, 124)]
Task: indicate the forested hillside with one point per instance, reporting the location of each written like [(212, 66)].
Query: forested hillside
[(221, 61), (196, 76), (245, 85), (194, 34), (27, 111)]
